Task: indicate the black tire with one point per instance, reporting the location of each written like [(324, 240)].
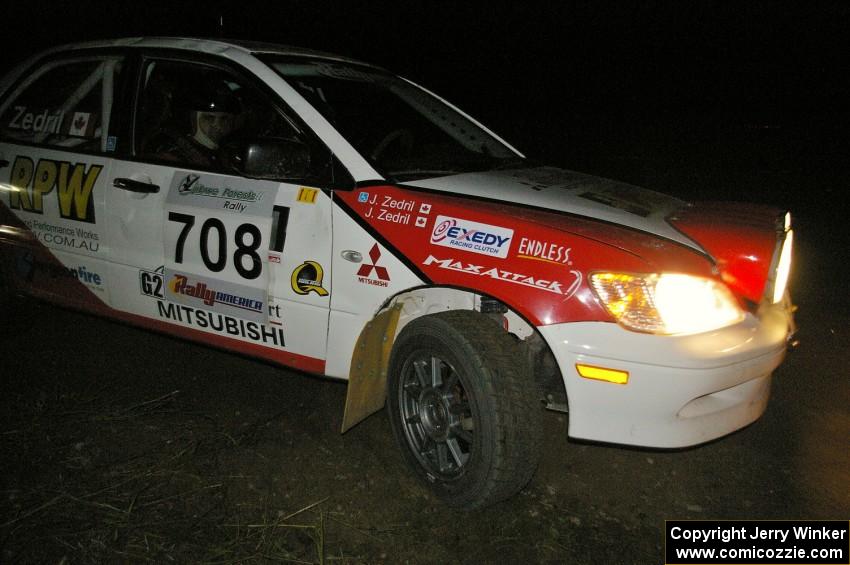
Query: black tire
[(462, 407), (6, 292)]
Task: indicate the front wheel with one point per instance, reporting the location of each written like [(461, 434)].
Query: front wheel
[(462, 408)]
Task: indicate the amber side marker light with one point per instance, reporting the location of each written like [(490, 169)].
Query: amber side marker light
[(603, 374)]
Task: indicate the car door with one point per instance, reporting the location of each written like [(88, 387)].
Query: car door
[(55, 153), (230, 258)]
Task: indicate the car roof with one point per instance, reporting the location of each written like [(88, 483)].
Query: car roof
[(212, 46)]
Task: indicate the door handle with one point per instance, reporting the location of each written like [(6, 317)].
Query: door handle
[(135, 186)]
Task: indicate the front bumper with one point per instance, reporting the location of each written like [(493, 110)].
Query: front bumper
[(682, 390)]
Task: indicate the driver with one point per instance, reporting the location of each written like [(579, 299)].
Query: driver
[(213, 117)]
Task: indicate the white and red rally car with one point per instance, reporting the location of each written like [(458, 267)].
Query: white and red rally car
[(329, 216)]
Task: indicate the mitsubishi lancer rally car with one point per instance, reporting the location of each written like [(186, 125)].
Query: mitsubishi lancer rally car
[(326, 215)]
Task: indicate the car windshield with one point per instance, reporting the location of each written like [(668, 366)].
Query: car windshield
[(403, 131)]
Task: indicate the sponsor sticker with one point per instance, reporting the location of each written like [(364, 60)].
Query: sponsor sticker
[(71, 183), (151, 283), (538, 283), (307, 195), (230, 298), (222, 324), (27, 267), (76, 238), (545, 251), (239, 196), (381, 276), (307, 278), (471, 236)]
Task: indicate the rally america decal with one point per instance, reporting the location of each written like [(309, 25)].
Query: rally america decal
[(200, 292)]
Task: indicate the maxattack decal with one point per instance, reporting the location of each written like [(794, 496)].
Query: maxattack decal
[(471, 236), (307, 278), (73, 185), (364, 273), (545, 251), (555, 287)]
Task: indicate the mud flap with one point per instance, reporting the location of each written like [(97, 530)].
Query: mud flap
[(367, 381)]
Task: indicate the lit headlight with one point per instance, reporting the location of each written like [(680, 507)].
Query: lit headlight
[(783, 267), (666, 303)]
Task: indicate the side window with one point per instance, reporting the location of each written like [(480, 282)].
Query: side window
[(201, 116), (66, 103)]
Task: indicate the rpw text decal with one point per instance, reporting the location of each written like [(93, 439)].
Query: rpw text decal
[(73, 185)]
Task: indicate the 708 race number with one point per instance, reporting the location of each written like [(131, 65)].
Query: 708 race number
[(247, 239)]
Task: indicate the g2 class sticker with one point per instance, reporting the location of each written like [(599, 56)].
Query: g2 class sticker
[(471, 236), (151, 283)]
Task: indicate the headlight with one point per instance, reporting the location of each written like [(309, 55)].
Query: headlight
[(666, 303), (783, 267)]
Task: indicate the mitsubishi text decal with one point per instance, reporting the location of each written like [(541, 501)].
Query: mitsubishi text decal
[(472, 236)]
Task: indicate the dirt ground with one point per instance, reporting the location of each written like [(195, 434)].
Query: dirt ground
[(119, 445)]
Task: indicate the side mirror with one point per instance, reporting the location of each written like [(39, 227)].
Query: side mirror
[(275, 159)]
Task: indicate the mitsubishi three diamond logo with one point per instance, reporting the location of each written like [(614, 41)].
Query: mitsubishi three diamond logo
[(364, 274)]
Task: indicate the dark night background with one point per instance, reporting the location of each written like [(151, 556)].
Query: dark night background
[(754, 94), (737, 100)]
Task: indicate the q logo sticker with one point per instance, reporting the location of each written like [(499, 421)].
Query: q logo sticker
[(307, 278)]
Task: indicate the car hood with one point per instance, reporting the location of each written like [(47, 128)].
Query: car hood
[(560, 190)]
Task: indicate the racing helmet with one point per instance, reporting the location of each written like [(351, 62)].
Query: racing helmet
[(215, 115)]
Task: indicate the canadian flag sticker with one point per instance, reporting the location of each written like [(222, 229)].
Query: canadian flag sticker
[(79, 124)]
